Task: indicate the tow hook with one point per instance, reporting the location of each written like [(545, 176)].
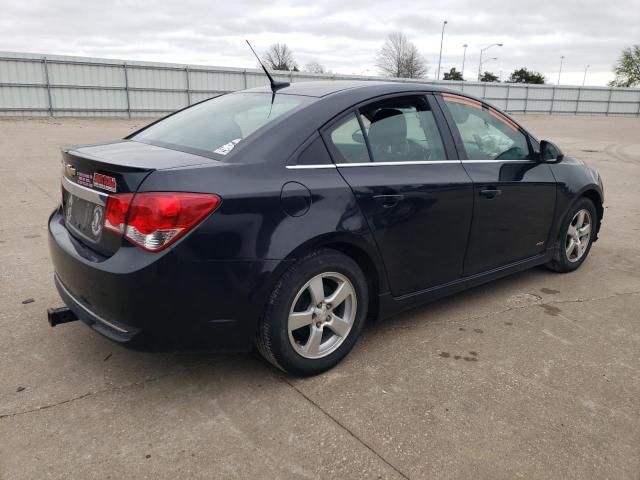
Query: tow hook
[(56, 316)]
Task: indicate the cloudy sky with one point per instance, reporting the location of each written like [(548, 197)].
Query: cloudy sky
[(343, 35)]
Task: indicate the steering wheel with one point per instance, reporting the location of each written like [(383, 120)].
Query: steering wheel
[(511, 154), (478, 141)]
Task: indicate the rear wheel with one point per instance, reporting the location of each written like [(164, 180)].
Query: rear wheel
[(315, 313), (576, 237)]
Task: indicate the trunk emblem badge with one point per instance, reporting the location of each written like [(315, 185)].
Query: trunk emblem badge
[(104, 182)]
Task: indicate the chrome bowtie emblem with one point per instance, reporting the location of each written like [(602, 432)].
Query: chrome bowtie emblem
[(70, 170)]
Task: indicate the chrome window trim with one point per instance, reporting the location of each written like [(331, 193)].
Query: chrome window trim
[(498, 161), (307, 167), (84, 192), (93, 314), (388, 164)]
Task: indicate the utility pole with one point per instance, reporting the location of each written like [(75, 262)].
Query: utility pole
[(481, 52), (440, 57), (584, 79), (560, 71), (464, 56)]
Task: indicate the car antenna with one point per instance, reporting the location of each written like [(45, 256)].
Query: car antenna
[(275, 86)]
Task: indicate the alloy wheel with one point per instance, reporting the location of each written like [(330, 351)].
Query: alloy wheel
[(322, 315), (578, 235)]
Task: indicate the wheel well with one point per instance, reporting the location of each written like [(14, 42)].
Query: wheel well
[(365, 262), (597, 202)]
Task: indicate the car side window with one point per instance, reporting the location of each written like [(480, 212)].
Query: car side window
[(402, 129), (348, 140), (486, 133)]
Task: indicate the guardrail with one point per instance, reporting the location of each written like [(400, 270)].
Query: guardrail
[(55, 85)]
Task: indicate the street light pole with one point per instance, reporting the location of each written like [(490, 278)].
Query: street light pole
[(585, 74), (464, 56), (440, 57), (560, 71), (481, 52)]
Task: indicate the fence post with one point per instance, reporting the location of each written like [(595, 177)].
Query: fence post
[(578, 101), (186, 72), (526, 98), (46, 79), (244, 75), (126, 89), (609, 101), (553, 98), (506, 103), (484, 91)]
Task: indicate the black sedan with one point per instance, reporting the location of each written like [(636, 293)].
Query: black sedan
[(285, 218)]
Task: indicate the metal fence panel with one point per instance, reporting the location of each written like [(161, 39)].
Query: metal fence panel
[(164, 101), (540, 93), (16, 98), (539, 106), (496, 91), (156, 79), (564, 93), (85, 75), (12, 71), (475, 89), (88, 99), (36, 85), (625, 95)]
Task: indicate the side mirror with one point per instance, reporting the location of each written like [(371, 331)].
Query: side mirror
[(550, 152), (357, 136)]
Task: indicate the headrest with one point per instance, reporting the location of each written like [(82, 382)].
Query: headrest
[(388, 126)]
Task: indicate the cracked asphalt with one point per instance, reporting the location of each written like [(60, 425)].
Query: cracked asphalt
[(533, 376)]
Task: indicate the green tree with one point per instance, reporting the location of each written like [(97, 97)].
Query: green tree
[(522, 75), (627, 69), (453, 74), (489, 77)]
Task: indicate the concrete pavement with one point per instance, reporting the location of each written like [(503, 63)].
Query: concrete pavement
[(533, 376)]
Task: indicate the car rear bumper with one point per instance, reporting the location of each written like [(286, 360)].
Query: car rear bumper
[(175, 300)]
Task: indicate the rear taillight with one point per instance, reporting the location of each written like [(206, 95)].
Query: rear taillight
[(116, 212), (154, 220)]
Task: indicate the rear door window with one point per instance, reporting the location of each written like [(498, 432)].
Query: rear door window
[(402, 130), (348, 141)]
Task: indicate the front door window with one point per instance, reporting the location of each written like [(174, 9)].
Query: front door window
[(486, 133)]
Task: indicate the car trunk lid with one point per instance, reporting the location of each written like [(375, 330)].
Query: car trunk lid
[(93, 172)]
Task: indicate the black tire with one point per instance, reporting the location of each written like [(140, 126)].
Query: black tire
[(273, 340), (560, 262)]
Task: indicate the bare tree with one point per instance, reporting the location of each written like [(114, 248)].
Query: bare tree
[(279, 57), (400, 58), (314, 67)]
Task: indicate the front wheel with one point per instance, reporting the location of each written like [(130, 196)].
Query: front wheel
[(315, 313), (576, 237)]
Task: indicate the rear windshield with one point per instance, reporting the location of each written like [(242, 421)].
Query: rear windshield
[(213, 128)]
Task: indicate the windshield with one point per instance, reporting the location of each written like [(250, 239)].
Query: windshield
[(213, 128)]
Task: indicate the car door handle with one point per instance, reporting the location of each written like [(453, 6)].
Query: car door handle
[(389, 201), (490, 193)]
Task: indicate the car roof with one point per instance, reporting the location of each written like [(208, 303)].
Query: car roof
[(329, 87)]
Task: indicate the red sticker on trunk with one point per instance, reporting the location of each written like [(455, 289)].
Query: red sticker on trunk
[(104, 181)]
